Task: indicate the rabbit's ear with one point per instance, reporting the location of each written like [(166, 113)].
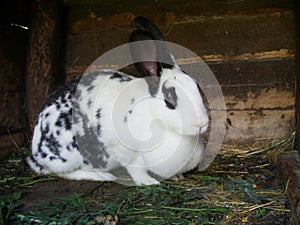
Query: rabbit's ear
[(143, 23), (164, 57), (144, 54)]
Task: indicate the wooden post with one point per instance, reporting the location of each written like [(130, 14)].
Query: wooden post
[(297, 116), (43, 57), (289, 162)]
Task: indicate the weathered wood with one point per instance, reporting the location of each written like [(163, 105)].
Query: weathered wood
[(297, 115), (227, 37), (13, 46), (43, 57), (80, 9), (274, 71), (12, 111), (249, 125), (218, 38), (12, 60), (249, 48), (245, 80), (290, 173)]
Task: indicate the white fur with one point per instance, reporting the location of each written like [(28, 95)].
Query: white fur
[(176, 149), (154, 138)]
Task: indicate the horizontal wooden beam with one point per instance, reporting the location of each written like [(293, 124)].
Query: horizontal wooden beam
[(260, 72), (260, 35), (243, 126)]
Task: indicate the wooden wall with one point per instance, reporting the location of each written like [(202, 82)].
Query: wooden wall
[(13, 46), (249, 46)]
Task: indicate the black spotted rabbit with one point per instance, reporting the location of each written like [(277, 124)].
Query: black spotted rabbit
[(100, 123)]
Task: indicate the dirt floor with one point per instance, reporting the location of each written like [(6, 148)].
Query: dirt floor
[(240, 187)]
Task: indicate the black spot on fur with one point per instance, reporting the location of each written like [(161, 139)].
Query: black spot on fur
[(58, 123), (170, 97), (90, 88), (132, 101), (64, 120), (98, 127), (98, 113), (89, 144), (50, 142), (170, 105), (125, 119), (46, 130), (68, 89), (74, 143), (99, 132), (36, 163), (44, 155), (89, 103), (122, 77)]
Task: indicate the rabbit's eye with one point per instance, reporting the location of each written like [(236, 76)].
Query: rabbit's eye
[(170, 97)]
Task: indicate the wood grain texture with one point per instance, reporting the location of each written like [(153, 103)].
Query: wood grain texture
[(250, 48), (43, 56), (256, 35)]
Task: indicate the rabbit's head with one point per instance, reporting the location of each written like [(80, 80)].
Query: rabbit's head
[(179, 102)]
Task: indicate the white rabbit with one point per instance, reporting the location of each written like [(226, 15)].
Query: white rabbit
[(107, 120)]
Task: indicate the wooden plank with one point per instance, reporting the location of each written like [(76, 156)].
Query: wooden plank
[(13, 47), (12, 59), (79, 9), (228, 37), (43, 59), (297, 115), (262, 99), (249, 48), (248, 85), (12, 110), (233, 35), (237, 73), (255, 73), (250, 125)]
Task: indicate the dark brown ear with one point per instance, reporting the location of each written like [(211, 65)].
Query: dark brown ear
[(143, 23), (144, 54), (164, 57)]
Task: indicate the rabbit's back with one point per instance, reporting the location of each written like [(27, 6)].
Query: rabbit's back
[(54, 148)]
